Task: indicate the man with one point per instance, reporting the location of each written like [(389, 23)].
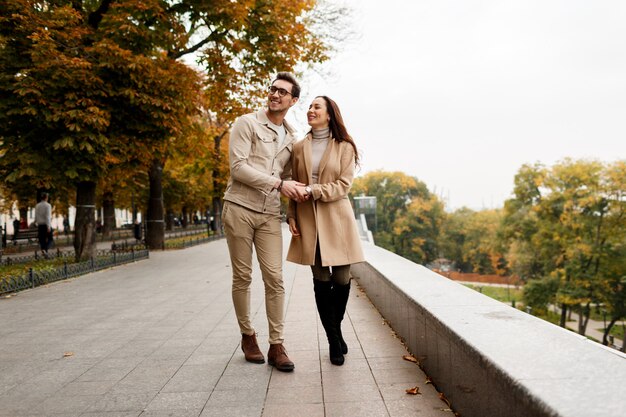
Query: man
[(16, 230), (43, 219), (260, 168)]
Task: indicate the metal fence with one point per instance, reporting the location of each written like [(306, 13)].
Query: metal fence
[(22, 259), (105, 259)]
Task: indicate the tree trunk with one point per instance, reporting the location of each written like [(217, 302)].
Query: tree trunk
[(563, 315), (108, 207), (155, 230), (185, 218), (605, 336), (85, 221), (169, 219), (583, 319), (217, 187), (216, 224)]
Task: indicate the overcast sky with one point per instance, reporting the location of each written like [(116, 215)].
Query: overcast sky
[(461, 93)]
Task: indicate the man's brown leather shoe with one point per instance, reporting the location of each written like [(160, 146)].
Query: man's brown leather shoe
[(277, 357), (251, 349)]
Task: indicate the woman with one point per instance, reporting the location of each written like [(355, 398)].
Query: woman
[(323, 227)]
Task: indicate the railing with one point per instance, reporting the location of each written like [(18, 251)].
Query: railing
[(22, 259), (105, 259), (61, 239), (486, 357)]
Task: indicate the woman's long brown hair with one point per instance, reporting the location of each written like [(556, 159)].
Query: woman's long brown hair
[(337, 127)]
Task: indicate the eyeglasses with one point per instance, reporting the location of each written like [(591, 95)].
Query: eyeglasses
[(281, 91)]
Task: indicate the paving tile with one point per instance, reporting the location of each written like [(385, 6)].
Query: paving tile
[(243, 382), (237, 396), (122, 402), (407, 408), (193, 378), (389, 376), (112, 414), (351, 392), (232, 411), (186, 401), (310, 394), (297, 378), (293, 410), (172, 413), (85, 388), (347, 377), (360, 408), (60, 405), (104, 373)]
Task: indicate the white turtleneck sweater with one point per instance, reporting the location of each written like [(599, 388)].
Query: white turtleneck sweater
[(321, 137)]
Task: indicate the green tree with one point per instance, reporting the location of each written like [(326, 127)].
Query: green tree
[(394, 191), (566, 224), (86, 85), (416, 230), (471, 239)]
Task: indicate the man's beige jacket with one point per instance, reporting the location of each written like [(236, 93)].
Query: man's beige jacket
[(256, 162)]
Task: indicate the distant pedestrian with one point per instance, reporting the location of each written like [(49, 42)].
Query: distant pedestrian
[(66, 225), (16, 230), (43, 219), (137, 231)]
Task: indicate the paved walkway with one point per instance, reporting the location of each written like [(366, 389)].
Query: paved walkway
[(159, 338)]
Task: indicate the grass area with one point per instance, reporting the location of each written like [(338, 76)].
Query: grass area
[(176, 243), (550, 316), (617, 331), (504, 294), (40, 265)]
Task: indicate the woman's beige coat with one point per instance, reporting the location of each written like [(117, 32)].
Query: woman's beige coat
[(330, 218)]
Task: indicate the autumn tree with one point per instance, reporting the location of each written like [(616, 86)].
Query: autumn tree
[(471, 240), (566, 223), (416, 230), (88, 84), (241, 44), (394, 191), (95, 85), (409, 217)]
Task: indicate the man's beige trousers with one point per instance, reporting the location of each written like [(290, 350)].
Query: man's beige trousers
[(245, 228)]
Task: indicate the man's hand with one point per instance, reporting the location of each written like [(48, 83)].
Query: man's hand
[(289, 189), (302, 194)]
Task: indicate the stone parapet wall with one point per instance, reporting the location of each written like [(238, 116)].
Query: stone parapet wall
[(490, 359)]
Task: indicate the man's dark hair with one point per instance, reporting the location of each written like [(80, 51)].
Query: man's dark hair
[(44, 196), (290, 78)]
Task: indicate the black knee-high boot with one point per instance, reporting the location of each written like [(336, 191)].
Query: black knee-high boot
[(326, 310), (340, 300)]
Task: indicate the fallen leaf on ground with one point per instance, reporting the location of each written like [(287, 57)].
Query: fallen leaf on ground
[(413, 391), (428, 380), (409, 358), (443, 398), (66, 354)]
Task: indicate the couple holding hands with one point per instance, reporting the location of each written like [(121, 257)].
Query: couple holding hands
[(316, 174)]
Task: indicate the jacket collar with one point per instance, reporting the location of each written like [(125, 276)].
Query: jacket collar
[(261, 116)]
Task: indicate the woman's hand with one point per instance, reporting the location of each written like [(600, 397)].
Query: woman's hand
[(293, 227)]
